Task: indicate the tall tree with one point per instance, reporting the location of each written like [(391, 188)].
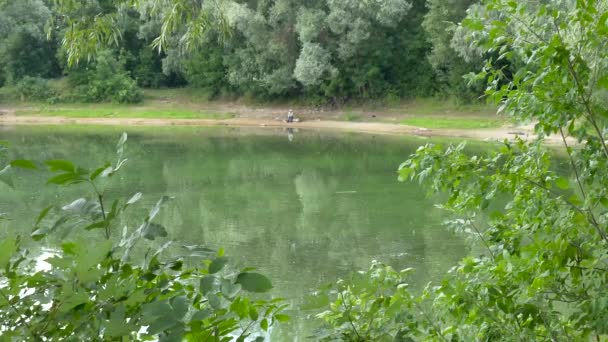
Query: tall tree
[(440, 24), (24, 49)]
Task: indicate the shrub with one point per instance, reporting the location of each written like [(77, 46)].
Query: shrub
[(104, 80), (33, 88)]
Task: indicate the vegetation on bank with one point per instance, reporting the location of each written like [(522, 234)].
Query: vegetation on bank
[(186, 103), (538, 268), (323, 52), (119, 111)]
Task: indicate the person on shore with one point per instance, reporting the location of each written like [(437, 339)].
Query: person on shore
[(290, 115)]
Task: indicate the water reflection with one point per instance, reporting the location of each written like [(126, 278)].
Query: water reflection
[(305, 211)]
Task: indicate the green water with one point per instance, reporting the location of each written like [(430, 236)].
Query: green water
[(305, 212)]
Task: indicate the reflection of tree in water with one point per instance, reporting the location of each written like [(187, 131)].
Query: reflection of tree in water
[(305, 213)]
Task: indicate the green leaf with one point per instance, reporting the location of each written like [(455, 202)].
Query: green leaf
[(217, 265), (562, 183), (180, 306), (24, 164), (42, 215), (254, 282), (66, 179), (60, 165), (96, 225), (152, 311), (155, 230), (602, 26), (8, 247), (208, 284), (315, 302), (161, 324), (202, 315), (603, 82), (230, 290), (98, 171), (264, 324), (118, 326), (282, 318)]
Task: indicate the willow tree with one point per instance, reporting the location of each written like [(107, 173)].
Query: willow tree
[(92, 25)]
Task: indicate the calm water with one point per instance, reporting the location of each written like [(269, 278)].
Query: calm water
[(305, 211)]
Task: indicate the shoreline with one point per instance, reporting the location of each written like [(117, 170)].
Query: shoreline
[(489, 134)]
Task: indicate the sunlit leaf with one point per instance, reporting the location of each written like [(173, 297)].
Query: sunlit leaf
[(8, 246), (60, 165), (562, 183), (24, 164)]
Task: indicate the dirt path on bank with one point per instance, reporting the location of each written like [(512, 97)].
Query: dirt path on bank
[(8, 118)]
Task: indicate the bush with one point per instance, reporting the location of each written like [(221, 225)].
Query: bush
[(148, 72), (33, 88), (105, 80)]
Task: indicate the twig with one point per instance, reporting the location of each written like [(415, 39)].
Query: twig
[(590, 219), (578, 180), (350, 320), (27, 325), (482, 238)]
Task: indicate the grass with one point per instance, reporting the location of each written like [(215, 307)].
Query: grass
[(441, 106), (121, 111), (189, 103), (454, 122), (351, 116)]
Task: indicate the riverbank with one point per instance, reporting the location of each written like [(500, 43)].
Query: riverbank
[(362, 127), (171, 107)]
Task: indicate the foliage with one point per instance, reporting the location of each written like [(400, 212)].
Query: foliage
[(105, 80), (70, 290), (33, 89), (24, 49), (540, 270), (148, 69), (370, 306), (328, 51), (204, 69), (87, 35), (440, 24)]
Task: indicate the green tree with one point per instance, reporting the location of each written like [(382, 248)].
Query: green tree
[(542, 270), (440, 23), (24, 49)]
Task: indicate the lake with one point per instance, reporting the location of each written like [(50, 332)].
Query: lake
[(305, 208)]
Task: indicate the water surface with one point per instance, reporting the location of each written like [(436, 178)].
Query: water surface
[(303, 207)]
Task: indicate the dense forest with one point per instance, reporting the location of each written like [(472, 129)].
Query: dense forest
[(323, 51)]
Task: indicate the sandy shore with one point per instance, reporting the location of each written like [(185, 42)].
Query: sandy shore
[(362, 127)]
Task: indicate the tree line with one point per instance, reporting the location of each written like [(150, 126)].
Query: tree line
[(324, 51)]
